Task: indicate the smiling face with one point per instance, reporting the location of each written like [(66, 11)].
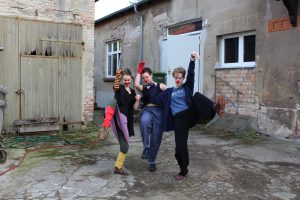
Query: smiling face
[(147, 78), (178, 77), (127, 80)]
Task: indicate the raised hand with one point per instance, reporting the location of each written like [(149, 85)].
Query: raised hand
[(195, 55), (117, 79), (138, 97), (140, 68)]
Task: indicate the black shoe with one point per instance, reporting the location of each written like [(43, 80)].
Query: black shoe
[(120, 171), (152, 167), (145, 154)]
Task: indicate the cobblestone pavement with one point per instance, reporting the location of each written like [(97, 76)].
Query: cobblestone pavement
[(220, 168)]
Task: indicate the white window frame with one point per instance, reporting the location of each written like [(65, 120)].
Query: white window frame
[(109, 54), (240, 63)]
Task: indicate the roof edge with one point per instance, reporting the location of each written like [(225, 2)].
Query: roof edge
[(128, 8)]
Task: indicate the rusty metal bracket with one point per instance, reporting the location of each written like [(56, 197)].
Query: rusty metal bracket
[(19, 91)]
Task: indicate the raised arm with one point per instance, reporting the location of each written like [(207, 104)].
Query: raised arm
[(137, 79), (116, 86), (190, 79)]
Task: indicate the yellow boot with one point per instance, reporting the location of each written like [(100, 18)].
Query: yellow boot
[(119, 164)]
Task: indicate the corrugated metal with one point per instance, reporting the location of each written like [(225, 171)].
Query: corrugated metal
[(9, 69), (44, 60)]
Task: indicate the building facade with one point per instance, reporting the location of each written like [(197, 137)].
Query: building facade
[(249, 53), (47, 61)]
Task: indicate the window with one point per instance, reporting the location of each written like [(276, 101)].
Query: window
[(113, 54), (237, 50)]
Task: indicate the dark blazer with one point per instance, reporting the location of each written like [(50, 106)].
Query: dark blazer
[(165, 98)]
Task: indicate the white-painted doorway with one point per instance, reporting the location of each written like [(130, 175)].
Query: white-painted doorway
[(176, 51)]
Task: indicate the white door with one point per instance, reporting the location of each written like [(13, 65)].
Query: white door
[(176, 51)]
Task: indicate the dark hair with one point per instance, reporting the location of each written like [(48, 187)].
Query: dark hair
[(126, 71), (147, 70)]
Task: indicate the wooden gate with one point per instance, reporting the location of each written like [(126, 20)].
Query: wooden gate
[(41, 66), (9, 69), (39, 93)]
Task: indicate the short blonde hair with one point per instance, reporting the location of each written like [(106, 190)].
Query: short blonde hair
[(178, 70)]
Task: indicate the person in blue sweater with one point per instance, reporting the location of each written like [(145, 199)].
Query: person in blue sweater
[(183, 110)]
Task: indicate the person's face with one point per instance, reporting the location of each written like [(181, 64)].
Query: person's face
[(147, 78), (178, 78), (127, 80)]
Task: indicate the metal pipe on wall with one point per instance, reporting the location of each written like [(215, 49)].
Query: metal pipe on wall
[(142, 32)]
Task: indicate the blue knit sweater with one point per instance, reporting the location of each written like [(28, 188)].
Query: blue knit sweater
[(165, 98)]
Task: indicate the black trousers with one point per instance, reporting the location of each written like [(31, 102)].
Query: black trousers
[(202, 111), (181, 128)]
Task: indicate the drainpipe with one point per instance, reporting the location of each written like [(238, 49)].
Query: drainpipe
[(142, 32)]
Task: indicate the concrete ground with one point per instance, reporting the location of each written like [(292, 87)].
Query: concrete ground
[(222, 166)]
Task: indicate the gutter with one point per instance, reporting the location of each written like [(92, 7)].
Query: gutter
[(142, 32), (128, 8)]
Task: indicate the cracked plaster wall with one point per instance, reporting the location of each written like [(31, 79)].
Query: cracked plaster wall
[(127, 29), (275, 95), (277, 74)]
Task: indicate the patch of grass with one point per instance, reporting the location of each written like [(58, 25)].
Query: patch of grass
[(222, 133), (80, 137), (248, 136), (85, 136)]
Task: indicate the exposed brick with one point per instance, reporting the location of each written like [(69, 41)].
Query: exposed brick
[(242, 80), (281, 24), (183, 29)]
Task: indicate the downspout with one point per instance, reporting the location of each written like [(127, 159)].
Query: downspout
[(142, 32)]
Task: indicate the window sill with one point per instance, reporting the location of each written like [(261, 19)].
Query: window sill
[(109, 79), (242, 66)]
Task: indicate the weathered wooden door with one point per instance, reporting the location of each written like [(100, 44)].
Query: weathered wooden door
[(41, 66), (9, 69), (70, 89), (39, 84)]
